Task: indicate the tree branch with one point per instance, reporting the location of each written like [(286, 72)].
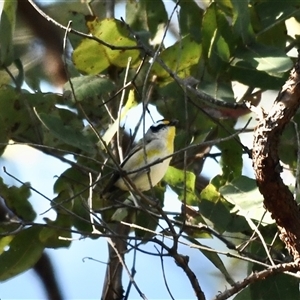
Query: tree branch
[(256, 276), (277, 197)]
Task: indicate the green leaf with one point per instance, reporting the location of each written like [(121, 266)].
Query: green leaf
[(214, 258), (14, 118), (146, 15), (218, 88), (190, 16), (243, 193), (58, 234), (268, 59), (56, 238), (81, 215), (269, 21), (241, 21), (271, 16), (24, 250), (67, 134), (136, 15), (17, 200), (51, 236), (92, 57), (192, 216), (213, 207), (280, 286), (254, 77), (7, 28), (145, 220), (245, 294), (78, 23), (89, 87), (73, 182), (61, 203), (35, 132), (92, 92), (231, 158), (183, 183), (179, 58), (4, 242), (156, 15), (215, 47), (120, 214), (69, 179), (288, 149)]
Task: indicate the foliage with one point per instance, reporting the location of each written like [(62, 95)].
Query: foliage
[(112, 64)]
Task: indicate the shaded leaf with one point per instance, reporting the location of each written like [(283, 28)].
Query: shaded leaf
[(213, 207), (56, 238), (145, 220), (254, 77), (190, 216), (24, 250), (231, 158), (156, 15), (17, 200), (89, 87), (280, 286), (183, 183), (58, 234), (241, 21), (93, 58), (146, 15), (214, 45), (67, 134), (215, 260), (190, 16), (7, 28), (268, 59), (243, 193), (78, 23), (219, 89), (13, 115), (243, 294), (179, 58), (271, 20), (288, 149), (70, 183)]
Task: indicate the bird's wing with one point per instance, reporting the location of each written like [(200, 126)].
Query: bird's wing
[(116, 175), (140, 145)]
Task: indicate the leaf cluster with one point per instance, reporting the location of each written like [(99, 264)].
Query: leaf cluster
[(115, 65)]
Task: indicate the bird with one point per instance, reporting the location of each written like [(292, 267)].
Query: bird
[(157, 143)]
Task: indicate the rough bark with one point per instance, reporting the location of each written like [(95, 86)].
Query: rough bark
[(277, 197)]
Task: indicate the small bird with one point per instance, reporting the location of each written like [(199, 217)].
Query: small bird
[(157, 143)]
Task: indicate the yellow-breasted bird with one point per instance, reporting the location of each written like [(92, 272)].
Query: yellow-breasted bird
[(157, 143)]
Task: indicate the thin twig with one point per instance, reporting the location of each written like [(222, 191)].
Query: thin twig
[(119, 117), (164, 274), (79, 33), (112, 244)]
